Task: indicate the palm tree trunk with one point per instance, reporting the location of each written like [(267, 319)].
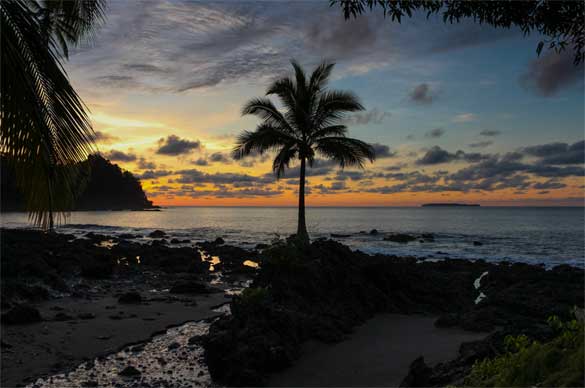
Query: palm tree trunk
[(302, 234)]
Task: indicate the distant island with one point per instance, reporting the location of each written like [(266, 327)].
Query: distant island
[(449, 204), (107, 187)]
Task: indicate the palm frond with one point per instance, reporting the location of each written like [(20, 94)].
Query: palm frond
[(44, 126), (346, 151), (320, 77), (71, 21), (333, 106), (265, 109), (264, 139), (332, 130), (283, 159)]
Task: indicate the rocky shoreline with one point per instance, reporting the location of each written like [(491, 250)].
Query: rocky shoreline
[(67, 300), (57, 288), (323, 291)]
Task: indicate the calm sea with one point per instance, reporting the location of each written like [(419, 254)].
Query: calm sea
[(533, 235)]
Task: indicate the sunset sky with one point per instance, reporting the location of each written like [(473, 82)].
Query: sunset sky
[(464, 112)]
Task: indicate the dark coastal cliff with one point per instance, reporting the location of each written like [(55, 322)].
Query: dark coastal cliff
[(106, 187)]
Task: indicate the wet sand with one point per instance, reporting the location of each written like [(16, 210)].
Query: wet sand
[(52, 346), (377, 354)]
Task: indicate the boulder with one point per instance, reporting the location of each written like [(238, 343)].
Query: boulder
[(21, 314), (97, 267), (374, 232), (400, 238), (477, 243), (130, 371), (130, 298), (191, 288), (61, 316), (157, 234), (419, 374), (219, 241)]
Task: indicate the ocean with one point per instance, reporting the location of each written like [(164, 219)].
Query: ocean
[(536, 235)]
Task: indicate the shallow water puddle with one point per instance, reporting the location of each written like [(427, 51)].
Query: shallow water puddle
[(168, 360), (108, 244), (250, 263)]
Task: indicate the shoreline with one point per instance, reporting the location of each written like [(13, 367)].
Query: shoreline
[(176, 280)]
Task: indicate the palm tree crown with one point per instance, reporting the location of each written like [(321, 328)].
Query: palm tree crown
[(45, 129), (310, 125)]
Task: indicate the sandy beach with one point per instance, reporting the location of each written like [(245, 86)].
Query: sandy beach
[(377, 354)]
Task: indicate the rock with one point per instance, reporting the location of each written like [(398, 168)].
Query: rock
[(337, 235), (418, 375), (173, 346), (97, 267), (477, 243), (219, 241), (91, 383), (374, 232), (21, 314), (399, 238), (157, 234), (192, 287), (175, 241), (447, 320), (137, 348), (130, 298), (126, 236), (261, 246), (130, 371), (86, 316), (428, 236), (196, 340), (61, 316)]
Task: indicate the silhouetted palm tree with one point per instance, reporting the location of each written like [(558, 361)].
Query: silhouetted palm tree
[(44, 125), (311, 124)]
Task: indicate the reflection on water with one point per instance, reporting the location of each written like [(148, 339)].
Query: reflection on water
[(250, 263), (169, 360)]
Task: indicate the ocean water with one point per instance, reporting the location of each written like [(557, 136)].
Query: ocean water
[(537, 235)]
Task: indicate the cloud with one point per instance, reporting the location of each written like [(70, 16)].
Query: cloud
[(550, 184), (549, 74), (374, 116), (383, 151), (481, 144), (201, 162), (220, 157), (105, 138), (490, 133), (173, 145), (421, 94), (435, 133), (120, 156), (558, 153), (200, 177), (153, 174), (464, 118), (143, 164), (437, 155)]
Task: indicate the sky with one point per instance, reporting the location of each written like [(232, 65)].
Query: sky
[(456, 113)]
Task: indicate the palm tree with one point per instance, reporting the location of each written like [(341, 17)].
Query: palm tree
[(311, 125), (44, 126)]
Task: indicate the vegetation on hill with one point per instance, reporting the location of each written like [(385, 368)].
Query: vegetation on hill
[(105, 187)]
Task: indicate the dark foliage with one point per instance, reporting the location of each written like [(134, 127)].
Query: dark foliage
[(560, 21), (107, 187)]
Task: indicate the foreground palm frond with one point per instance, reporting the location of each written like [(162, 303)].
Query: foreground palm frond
[(45, 130)]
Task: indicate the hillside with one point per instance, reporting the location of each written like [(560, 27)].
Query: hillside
[(107, 187)]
